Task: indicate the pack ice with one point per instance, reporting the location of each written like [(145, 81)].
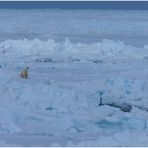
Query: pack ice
[(80, 92)]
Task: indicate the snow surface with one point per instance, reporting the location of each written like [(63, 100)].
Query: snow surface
[(75, 57)]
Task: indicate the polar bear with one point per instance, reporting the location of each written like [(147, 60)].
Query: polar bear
[(24, 73)]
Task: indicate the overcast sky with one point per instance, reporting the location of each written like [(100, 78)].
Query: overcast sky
[(116, 5)]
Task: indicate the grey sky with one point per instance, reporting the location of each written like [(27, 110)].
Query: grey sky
[(115, 5)]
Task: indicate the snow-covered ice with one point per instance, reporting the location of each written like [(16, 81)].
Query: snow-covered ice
[(75, 58)]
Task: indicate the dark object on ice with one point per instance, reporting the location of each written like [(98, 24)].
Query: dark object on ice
[(97, 61), (46, 60), (49, 108), (49, 60), (101, 93), (100, 104), (38, 60), (141, 107), (124, 106), (0, 66)]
